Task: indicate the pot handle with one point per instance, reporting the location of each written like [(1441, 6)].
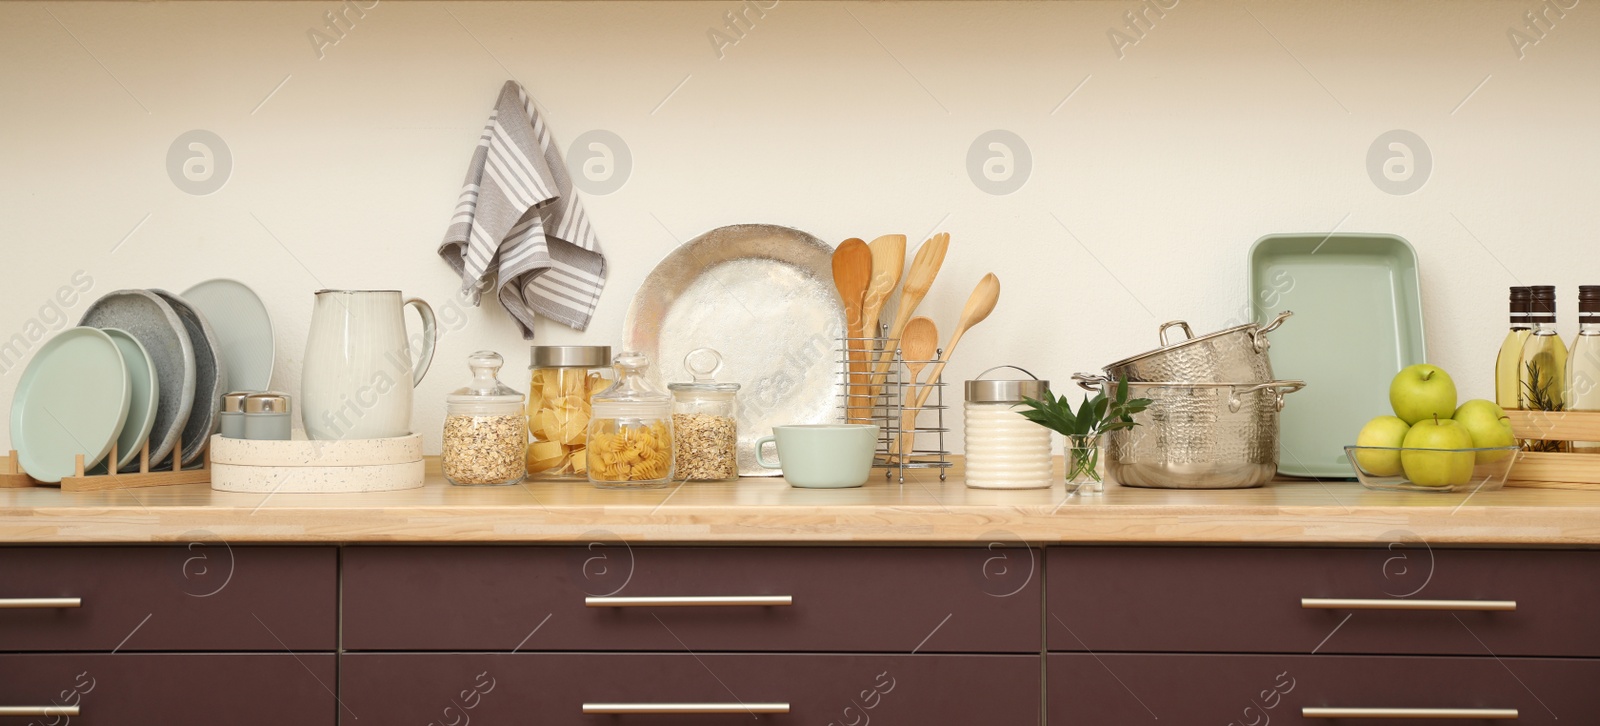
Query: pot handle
[(1188, 333), (1259, 335), (1090, 381), (1235, 402)]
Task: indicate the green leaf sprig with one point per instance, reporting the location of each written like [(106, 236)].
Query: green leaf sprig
[(1095, 416)]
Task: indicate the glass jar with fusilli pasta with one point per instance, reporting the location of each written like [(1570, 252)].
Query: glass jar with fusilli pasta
[(629, 445)]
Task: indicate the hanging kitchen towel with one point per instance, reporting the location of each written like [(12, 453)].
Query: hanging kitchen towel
[(519, 218)]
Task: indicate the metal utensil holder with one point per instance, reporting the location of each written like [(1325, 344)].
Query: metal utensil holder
[(889, 406)]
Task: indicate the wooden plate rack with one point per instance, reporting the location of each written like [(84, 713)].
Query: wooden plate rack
[(1556, 470), (12, 476)]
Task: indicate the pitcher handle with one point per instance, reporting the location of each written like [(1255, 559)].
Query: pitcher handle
[(429, 339)]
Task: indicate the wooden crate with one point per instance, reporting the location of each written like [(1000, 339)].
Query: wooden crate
[(1556, 470)]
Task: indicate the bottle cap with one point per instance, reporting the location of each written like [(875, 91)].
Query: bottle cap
[(1521, 305), (1542, 308), (1589, 303)]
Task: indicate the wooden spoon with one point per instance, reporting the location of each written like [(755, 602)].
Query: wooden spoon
[(924, 267), (852, 272), (979, 304), (918, 345)]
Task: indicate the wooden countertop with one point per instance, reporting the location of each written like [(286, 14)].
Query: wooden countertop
[(923, 510)]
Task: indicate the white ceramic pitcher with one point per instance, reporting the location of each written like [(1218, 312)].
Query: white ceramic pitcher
[(358, 373)]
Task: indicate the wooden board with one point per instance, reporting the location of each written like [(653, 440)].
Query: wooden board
[(1556, 470), (1556, 425)]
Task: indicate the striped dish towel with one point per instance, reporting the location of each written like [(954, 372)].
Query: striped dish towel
[(519, 218)]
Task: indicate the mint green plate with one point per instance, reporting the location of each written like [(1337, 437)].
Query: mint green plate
[(144, 396), (72, 399), (1357, 321)]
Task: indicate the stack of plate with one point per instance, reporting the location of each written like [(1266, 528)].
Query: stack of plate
[(300, 465), (145, 366)]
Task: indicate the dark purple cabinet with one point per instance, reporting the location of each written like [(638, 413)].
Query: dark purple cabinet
[(1085, 689), (896, 600), (454, 689), (1248, 600), (140, 689), (201, 596)]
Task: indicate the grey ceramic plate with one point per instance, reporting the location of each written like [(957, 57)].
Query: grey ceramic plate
[(150, 319), (243, 328), (146, 394), (1357, 321), (72, 399), (211, 378), (763, 297)]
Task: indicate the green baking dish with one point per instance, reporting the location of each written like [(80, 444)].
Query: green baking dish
[(1357, 305)]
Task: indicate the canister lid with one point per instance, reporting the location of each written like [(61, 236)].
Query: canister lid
[(981, 390), (703, 364), (485, 386), (570, 356), (234, 402), (269, 402)]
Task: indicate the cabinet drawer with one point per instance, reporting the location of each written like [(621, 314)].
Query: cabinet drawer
[(185, 597), (1250, 600), (171, 689), (1182, 689), (846, 599), (555, 689)]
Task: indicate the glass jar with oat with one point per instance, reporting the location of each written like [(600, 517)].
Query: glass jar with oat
[(630, 431), (564, 379), (705, 418), (485, 429)]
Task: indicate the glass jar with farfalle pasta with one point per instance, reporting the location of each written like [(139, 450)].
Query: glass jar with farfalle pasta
[(564, 379), (629, 445)]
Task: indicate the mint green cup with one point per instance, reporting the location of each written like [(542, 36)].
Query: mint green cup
[(822, 456)]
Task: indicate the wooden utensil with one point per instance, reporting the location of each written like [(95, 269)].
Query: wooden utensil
[(924, 267), (888, 262), (919, 343), (852, 273), (979, 304)]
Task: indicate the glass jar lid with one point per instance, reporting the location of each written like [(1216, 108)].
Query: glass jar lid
[(632, 395), (981, 390), (569, 356), (485, 386), (703, 364)]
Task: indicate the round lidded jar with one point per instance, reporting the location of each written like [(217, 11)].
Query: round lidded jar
[(563, 381), (485, 430), (630, 431), (705, 417), (1003, 449)]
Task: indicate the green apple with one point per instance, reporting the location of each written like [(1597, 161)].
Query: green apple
[(1422, 392), (1440, 463), (1384, 431), (1489, 426)]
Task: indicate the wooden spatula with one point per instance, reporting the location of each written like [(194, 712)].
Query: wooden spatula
[(852, 273), (924, 267)]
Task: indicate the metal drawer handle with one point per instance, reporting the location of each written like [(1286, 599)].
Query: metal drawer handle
[(1508, 714), (681, 602), (1334, 603), (41, 602), (38, 710), (685, 708)]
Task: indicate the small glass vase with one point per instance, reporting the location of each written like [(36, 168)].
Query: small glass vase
[(1084, 473)]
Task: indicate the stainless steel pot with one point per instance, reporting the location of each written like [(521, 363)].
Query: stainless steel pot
[(1236, 354), (1196, 435)]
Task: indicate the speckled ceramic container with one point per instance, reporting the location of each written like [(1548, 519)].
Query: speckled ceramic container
[(303, 453), (316, 479)]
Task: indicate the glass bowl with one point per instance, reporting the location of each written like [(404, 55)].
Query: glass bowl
[(1385, 468)]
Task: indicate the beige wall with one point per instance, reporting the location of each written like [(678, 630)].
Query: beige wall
[(1226, 121)]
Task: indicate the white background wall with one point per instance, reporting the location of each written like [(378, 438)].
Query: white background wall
[(1227, 121)]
